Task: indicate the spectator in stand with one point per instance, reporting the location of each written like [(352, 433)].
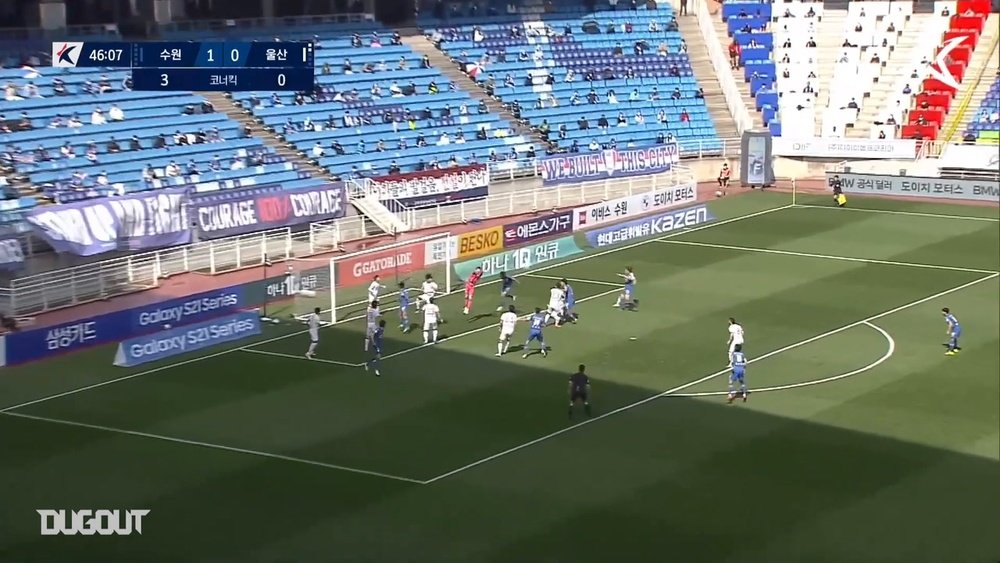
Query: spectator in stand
[(134, 144), (172, 170), (116, 113), (112, 146), (74, 122), (97, 117)]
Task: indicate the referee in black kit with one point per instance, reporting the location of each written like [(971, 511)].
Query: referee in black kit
[(579, 390)]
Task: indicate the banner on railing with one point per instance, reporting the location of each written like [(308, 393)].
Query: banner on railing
[(610, 163), (236, 212), (650, 226), (134, 222), (30, 345), (944, 188), (972, 157), (520, 258), (815, 147), (11, 255), (434, 187), (630, 206), (186, 339), (538, 228)]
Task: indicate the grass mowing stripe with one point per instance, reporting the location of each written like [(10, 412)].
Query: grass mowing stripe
[(302, 357), (487, 327), (574, 280), (890, 350), (904, 213), (703, 379), (212, 446), (301, 332), (828, 256)]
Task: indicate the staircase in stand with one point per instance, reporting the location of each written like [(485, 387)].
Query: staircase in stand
[(371, 207), (985, 59), (270, 137), (449, 69), (701, 65)]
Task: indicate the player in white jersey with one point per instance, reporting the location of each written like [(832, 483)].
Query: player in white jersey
[(735, 337), (557, 304), (508, 322), (313, 322), (374, 288), (372, 317), (432, 316), (428, 290)]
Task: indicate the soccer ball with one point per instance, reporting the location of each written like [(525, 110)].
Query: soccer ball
[(719, 193)]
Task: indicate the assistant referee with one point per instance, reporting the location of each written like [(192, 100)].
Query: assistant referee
[(579, 390)]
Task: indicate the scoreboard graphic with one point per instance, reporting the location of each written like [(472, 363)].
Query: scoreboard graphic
[(200, 67)]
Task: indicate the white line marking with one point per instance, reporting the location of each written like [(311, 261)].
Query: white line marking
[(215, 447), (491, 326), (905, 213), (828, 256), (574, 280), (284, 336), (890, 350), (303, 358), (708, 377)]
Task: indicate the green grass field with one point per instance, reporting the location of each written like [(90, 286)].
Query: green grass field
[(861, 441)]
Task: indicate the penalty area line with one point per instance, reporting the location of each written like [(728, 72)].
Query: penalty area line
[(294, 357), (890, 350), (573, 280), (705, 378)]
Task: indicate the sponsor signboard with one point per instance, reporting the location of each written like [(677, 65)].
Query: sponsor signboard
[(583, 167), (622, 208), (520, 258), (537, 228), (815, 147), (395, 262), (650, 226), (437, 251), (135, 222), (11, 255), (35, 344), (876, 184), (483, 241), (186, 339), (434, 187), (240, 211)]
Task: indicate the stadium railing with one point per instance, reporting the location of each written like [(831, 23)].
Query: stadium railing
[(52, 290)]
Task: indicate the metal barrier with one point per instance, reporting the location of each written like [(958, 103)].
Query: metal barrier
[(103, 280)]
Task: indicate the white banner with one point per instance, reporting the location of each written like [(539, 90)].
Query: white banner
[(437, 251), (630, 206), (804, 147), (975, 157)]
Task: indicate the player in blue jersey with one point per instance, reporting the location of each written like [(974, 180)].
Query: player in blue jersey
[(376, 348), (570, 301), (506, 291), (954, 331), (404, 307), (737, 379), (627, 300), (535, 326)]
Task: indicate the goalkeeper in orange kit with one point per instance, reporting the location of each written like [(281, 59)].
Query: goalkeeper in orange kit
[(470, 289)]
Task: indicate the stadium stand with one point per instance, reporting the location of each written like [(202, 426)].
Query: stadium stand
[(984, 127), (583, 78), (378, 108)]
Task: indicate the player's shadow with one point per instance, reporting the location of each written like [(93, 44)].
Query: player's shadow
[(479, 317)]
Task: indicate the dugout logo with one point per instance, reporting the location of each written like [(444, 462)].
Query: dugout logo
[(66, 54), (91, 522)]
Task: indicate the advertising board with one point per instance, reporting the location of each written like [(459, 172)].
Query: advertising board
[(834, 147), (540, 227), (480, 242), (650, 226), (396, 262), (186, 339), (629, 206), (592, 166), (520, 258), (240, 211), (944, 188)]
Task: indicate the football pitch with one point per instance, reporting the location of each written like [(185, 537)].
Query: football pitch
[(861, 441)]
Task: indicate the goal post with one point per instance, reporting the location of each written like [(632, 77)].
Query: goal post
[(406, 262)]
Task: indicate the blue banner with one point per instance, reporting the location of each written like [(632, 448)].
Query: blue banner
[(650, 226), (134, 222), (236, 212), (30, 345), (11, 255), (600, 165), (186, 339)]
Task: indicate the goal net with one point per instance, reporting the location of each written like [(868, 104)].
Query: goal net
[(299, 289), (406, 263)]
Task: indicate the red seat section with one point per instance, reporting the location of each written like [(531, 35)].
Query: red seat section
[(964, 29)]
